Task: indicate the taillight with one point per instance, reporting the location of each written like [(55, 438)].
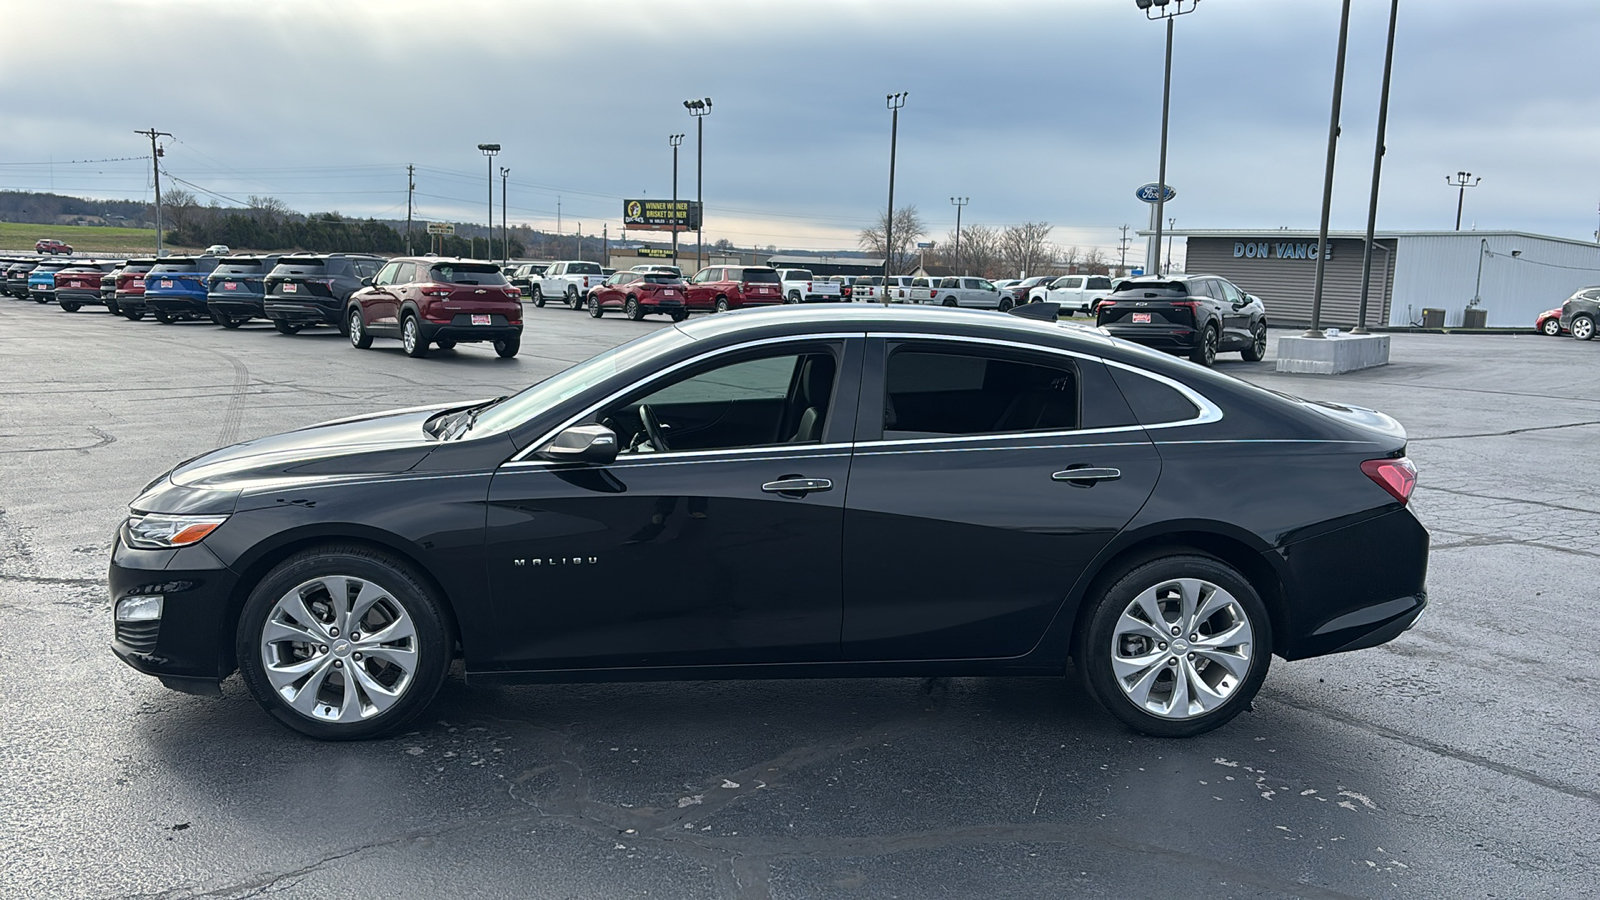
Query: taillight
[(1190, 305), (1397, 476), (435, 291)]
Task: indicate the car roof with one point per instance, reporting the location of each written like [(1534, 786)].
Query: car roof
[(829, 319)]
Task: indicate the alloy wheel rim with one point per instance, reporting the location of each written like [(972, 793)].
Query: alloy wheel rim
[(1582, 328), (339, 649), (1182, 648), (411, 334), (1552, 327), (1211, 344), (1261, 341), (355, 328)]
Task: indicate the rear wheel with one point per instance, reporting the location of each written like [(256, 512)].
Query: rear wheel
[(70, 306), (633, 310), (678, 315), (595, 309), (573, 300), (1552, 327), (162, 317), (1583, 328), (284, 326), (538, 297), (794, 297), (133, 315), (232, 322), (722, 304), (508, 347), (1205, 352), (1257, 351), (1176, 646), (411, 337), (445, 345), (343, 643), (357, 329), (113, 308), (949, 301)]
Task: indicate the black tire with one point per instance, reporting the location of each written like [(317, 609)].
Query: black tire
[(411, 337), (1552, 327), (1005, 304), (507, 347), (445, 345), (573, 300), (721, 305), (678, 315), (949, 301), (162, 317), (1205, 351), (1257, 351), (1099, 642), (794, 297), (1582, 328), (113, 308), (404, 592), (40, 300), (595, 309), (284, 326), (356, 330), (633, 310), (232, 322), (538, 297), (133, 315), (70, 306)]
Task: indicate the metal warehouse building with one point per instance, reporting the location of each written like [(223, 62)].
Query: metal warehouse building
[(1521, 274)]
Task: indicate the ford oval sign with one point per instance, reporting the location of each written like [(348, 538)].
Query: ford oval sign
[(1148, 192)]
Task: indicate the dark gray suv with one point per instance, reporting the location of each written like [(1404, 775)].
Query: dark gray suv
[(1581, 311), (314, 288)]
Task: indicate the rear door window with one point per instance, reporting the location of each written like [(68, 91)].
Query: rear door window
[(933, 391)]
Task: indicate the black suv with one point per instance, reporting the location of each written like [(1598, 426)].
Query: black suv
[(1581, 311), (314, 289), (236, 289), (1197, 315), (17, 278)]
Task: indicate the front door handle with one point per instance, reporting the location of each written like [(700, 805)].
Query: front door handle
[(1086, 475), (797, 485)]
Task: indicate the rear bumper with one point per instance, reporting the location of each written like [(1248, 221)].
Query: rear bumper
[(1172, 338), (466, 334), (85, 298), (322, 311), (190, 647), (177, 304), (129, 301), (236, 304)]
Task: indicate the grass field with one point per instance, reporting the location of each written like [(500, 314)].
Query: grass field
[(20, 236)]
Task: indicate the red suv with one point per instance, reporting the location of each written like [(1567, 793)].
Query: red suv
[(429, 300), (52, 246), (639, 294), (721, 288)]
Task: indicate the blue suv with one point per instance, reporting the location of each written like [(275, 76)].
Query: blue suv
[(176, 287)]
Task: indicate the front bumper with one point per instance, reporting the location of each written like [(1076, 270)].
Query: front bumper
[(191, 645), (1171, 338)]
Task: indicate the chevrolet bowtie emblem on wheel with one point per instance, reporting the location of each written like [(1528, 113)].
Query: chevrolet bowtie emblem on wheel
[(559, 561)]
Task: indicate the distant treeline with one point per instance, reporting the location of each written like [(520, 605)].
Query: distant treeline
[(45, 209), (325, 232)]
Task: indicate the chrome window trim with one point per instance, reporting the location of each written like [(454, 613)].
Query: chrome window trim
[(694, 457), (1209, 412), (893, 448), (521, 456)]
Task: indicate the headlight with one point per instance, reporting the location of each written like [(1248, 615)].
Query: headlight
[(160, 532)]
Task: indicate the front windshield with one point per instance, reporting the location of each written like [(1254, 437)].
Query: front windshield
[(545, 395)]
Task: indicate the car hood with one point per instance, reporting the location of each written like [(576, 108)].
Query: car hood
[(376, 444)]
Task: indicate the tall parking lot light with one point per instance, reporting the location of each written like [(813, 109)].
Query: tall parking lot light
[(894, 102), (1461, 182), (1377, 171), (505, 234), (699, 109), (676, 140), (1169, 10), (489, 150), (1315, 331)]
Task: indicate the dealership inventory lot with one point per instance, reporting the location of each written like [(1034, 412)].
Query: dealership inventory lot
[(1454, 761)]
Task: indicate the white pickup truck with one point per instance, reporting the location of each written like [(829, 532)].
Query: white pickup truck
[(569, 280), (971, 292), (1075, 293), (800, 286)]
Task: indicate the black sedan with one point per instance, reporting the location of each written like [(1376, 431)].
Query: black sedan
[(1196, 315), (855, 491)]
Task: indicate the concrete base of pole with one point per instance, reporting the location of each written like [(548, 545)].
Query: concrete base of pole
[(1332, 355)]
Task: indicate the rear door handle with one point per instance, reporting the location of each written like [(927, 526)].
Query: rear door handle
[(1087, 475), (797, 485)]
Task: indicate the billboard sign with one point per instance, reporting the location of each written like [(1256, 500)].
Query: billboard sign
[(660, 215), (441, 228)]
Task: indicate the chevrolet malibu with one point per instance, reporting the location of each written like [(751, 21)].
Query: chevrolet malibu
[(756, 495)]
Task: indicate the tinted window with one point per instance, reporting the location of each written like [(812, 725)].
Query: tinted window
[(583, 268), (869, 279), (1099, 284), (761, 276), (1153, 402), (174, 265), (937, 392), (654, 278), (467, 273), (1170, 287), (243, 267), (950, 283), (301, 263)]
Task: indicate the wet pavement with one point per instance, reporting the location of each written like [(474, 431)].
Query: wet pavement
[(1457, 761)]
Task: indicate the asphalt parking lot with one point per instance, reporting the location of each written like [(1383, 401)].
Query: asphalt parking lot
[(1457, 761)]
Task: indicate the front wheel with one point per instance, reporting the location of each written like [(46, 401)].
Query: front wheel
[(1257, 351), (1205, 352), (595, 310), (1552, 327), (1005, 304), (1583, 328), (411, 338), (357, 330), (1177, 646), (343, 643), (113, 308), (538, 297), (508, 347), (633, 310)]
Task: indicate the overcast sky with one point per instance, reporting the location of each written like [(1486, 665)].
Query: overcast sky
[(1036, 110)]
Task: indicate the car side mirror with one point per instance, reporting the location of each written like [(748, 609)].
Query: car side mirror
[(366, 282), (583, 443)]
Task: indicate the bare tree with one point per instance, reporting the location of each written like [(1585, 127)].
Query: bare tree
[(1025, 248), (980, 251), (178, 208), (1094, 262), (908, 226), (270, 208)]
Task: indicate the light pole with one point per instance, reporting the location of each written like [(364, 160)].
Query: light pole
[(676, 140), (1462, 181), (1315, 331), (958, 202), (505, 238), (1377, 170), (699, 109), (1171, 224), (894, 103), (1169, 10), (489, 150)]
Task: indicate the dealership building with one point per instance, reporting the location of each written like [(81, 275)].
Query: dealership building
[(1514, 274)]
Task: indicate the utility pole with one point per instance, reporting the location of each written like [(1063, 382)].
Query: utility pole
[(580, 240), (1462, 181), (605, 244), (411, 189), (155, 161), (558, 214), (958, 202), (1171, 224), (505, 235), (1122, 245), (675, 140), (894, 103)]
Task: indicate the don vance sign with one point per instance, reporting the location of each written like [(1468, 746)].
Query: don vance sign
[(1277, 250)]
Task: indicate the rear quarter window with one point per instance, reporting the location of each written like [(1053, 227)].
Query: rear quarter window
[(1153, 402), (761, 276)]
